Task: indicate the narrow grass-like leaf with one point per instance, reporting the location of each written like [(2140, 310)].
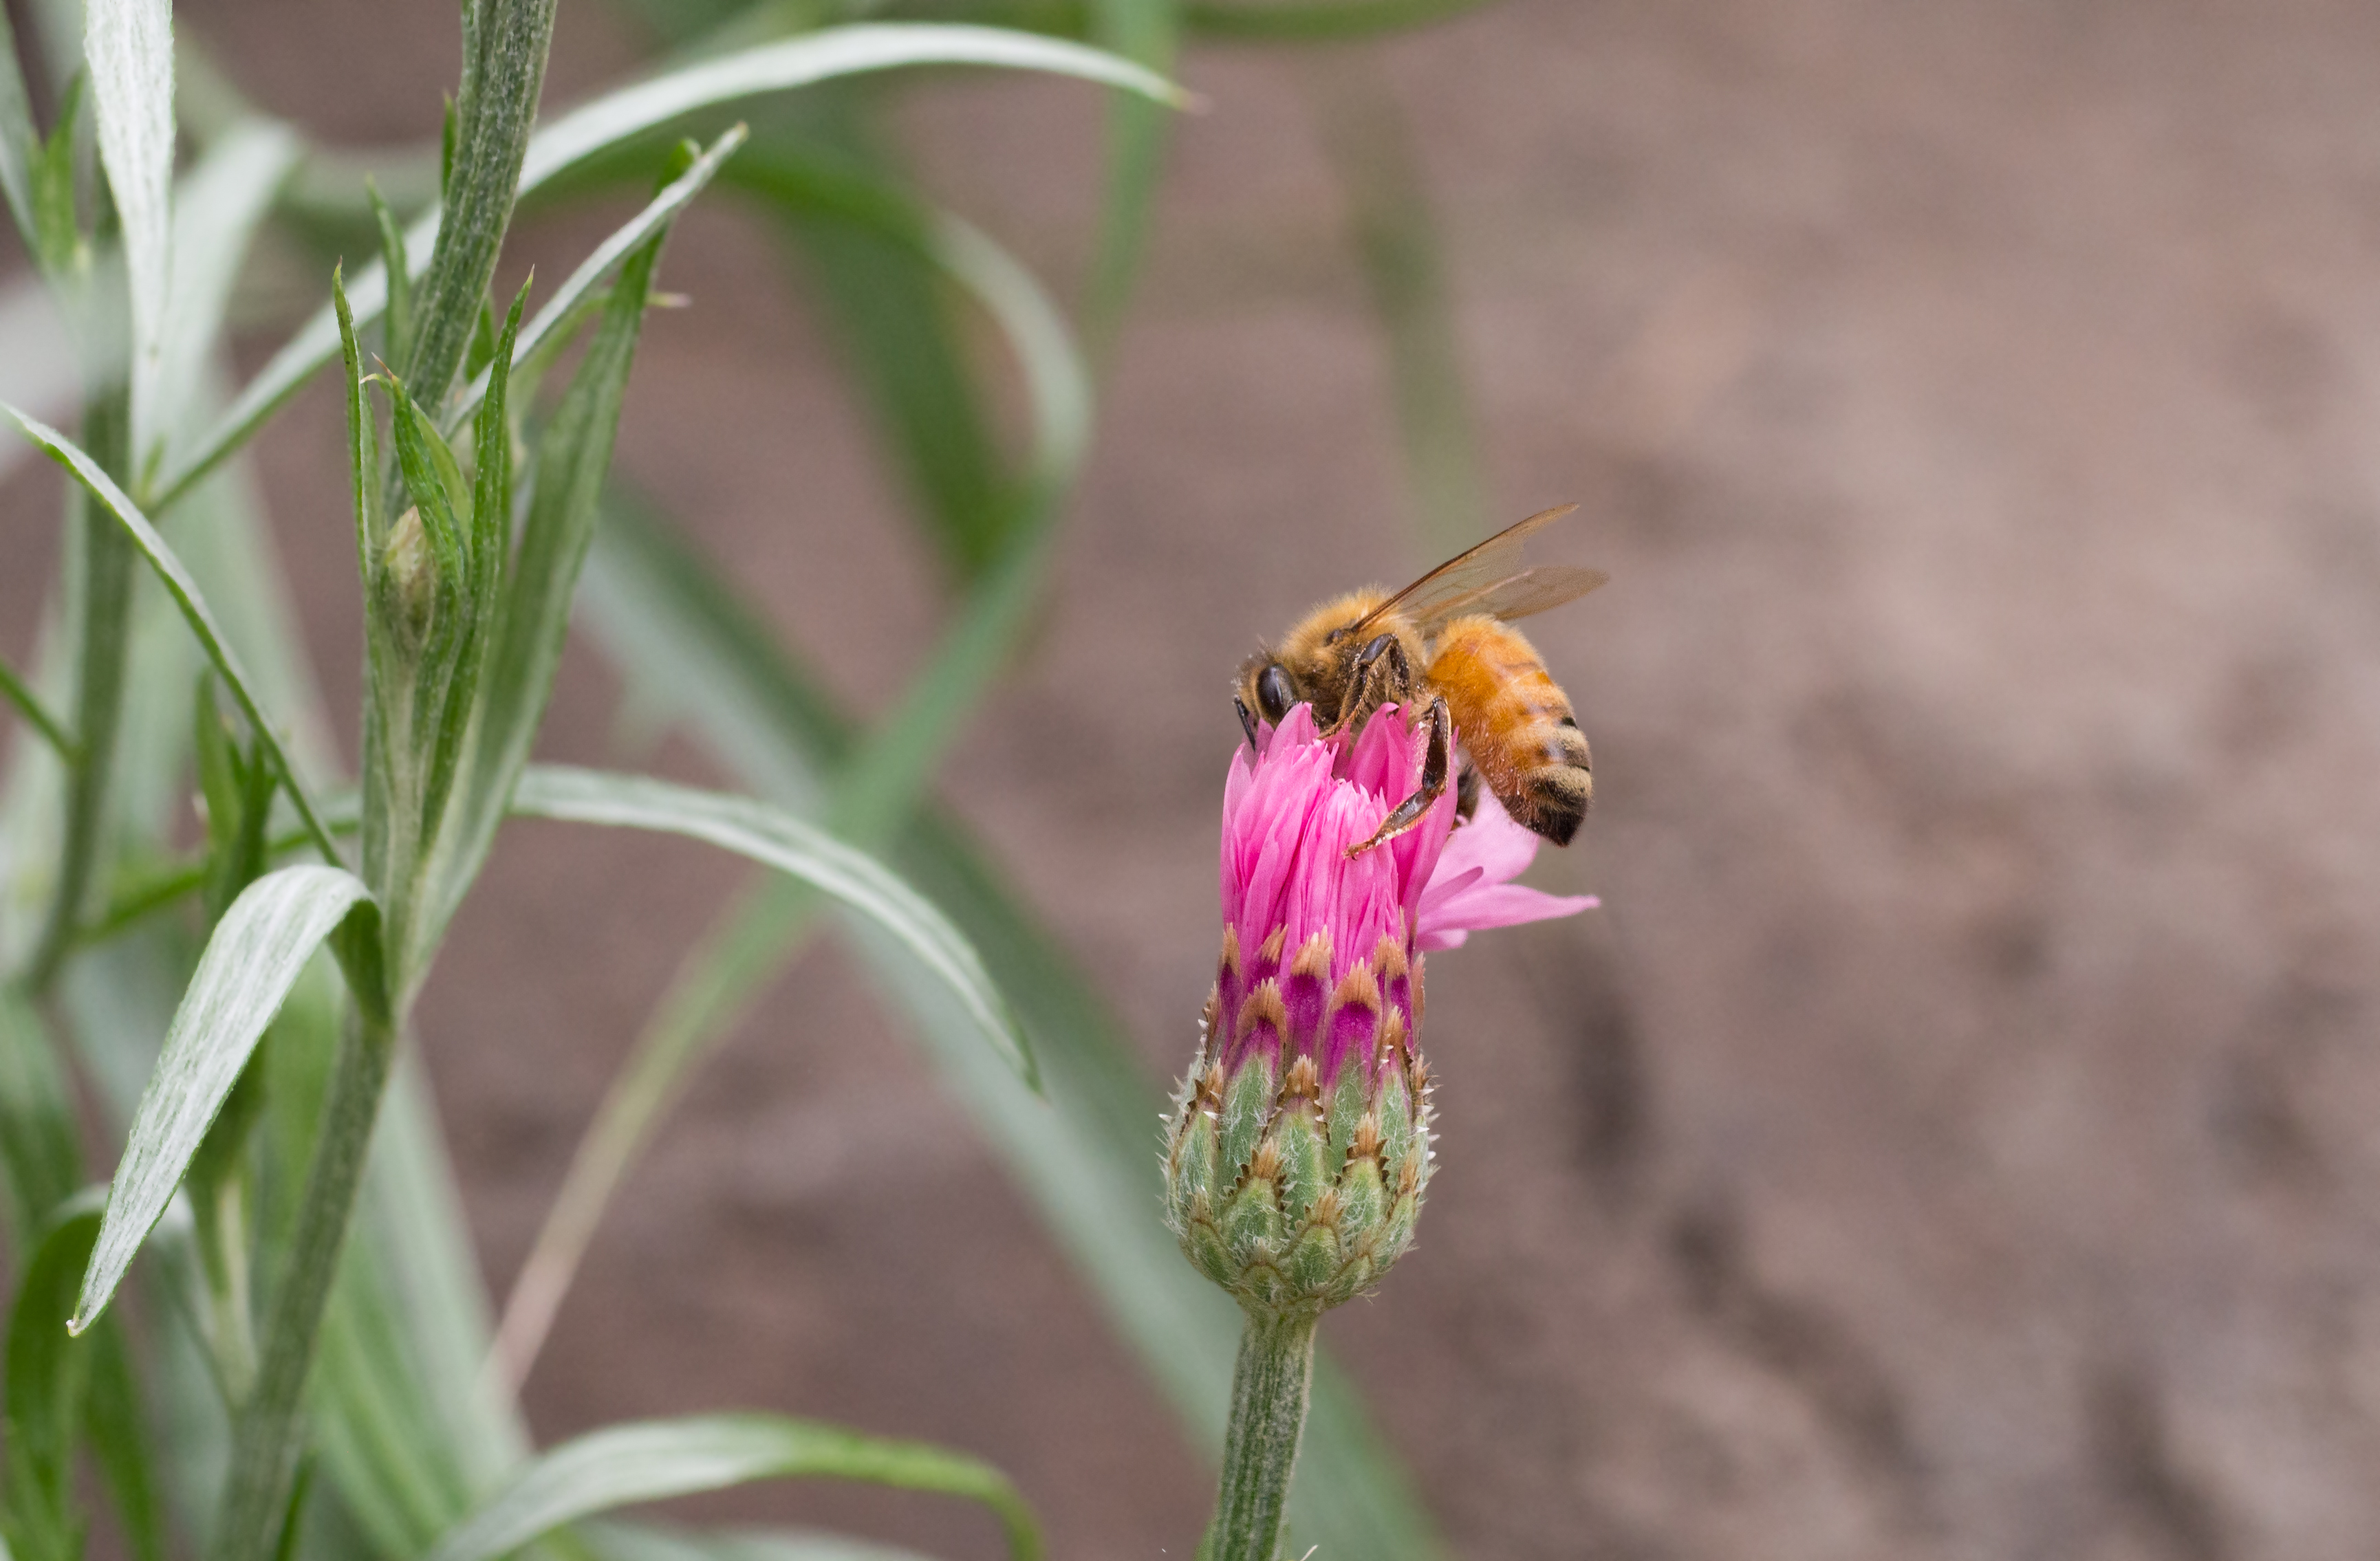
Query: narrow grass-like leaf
[(572, 458), (48, 1374), (1148, 32), (641, 1542), (570, 298), (396, 335), (21, 146), (216, 214), (817, 56), (363, 438), (185, 592), (1090, 1165), (1315, 21), (103, 639), (636, 111), (1057, 380), (776, 839), (890, 307), (129, 47), (249, 964), (18, 692), (870, 800), (119, 1443), (653, 1460), (492, 475), (37, 1159)]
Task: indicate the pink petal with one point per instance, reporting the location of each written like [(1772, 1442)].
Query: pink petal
[(1471, 887), (1496, 905), (1491, 841)]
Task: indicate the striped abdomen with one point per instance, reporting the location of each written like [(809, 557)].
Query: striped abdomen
[(1515, 722)]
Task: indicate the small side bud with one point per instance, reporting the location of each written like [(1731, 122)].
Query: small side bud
[(409, 576)]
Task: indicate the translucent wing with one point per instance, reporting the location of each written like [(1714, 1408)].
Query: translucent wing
[(1483, 579), (1517, 596)]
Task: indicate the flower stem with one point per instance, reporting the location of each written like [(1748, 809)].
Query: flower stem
[(1268, 1391), (270, 1433)]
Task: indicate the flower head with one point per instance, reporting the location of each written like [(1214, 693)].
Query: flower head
[(1301, 1140)]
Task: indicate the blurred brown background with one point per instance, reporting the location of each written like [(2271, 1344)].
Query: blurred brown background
[(1960, 1135)]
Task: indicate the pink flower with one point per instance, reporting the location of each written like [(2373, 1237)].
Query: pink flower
[(1299, 1148), (1320, 949)]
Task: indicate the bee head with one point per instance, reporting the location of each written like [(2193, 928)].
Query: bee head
[(1268, 688)]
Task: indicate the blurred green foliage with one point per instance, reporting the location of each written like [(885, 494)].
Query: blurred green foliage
[(316, 1378)]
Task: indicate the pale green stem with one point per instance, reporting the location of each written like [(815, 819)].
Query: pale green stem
[(1269, 1389), (222, 1212), (270, 1433)]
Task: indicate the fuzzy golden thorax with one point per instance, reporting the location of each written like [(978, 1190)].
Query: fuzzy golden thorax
[(1317, 658)]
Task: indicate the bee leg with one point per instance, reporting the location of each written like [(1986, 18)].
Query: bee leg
[(1247, 719), (1466, 792), (1434, 766), (1382, 658)]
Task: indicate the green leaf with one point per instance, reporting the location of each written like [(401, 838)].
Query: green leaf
[(397, 337), (48, 1375), (254, 957), (572, 458), (60, 242), (639, 1542), (1148, 32), (185, 592), (776, 839), (37, 716), (119, 1441), (889, 305), (105, 628), (216, 214), (1057, 381), (569, 299), (21, 146), (635, 111), (1315, 21), (799, 62), (654, 1461), (129, 47), (872, 798), (1090, 1166), (37, 1159), (883, 258)]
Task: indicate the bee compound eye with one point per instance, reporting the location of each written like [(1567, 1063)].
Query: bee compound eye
[(1274, 695)]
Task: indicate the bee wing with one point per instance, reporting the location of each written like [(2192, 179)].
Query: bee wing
[(1472, 575), (1517, 596)]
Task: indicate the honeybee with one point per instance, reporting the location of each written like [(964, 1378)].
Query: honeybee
[(1447, 639)]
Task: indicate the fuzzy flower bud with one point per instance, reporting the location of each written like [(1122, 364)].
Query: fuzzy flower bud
[(1300, 1145), (410, 578)]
